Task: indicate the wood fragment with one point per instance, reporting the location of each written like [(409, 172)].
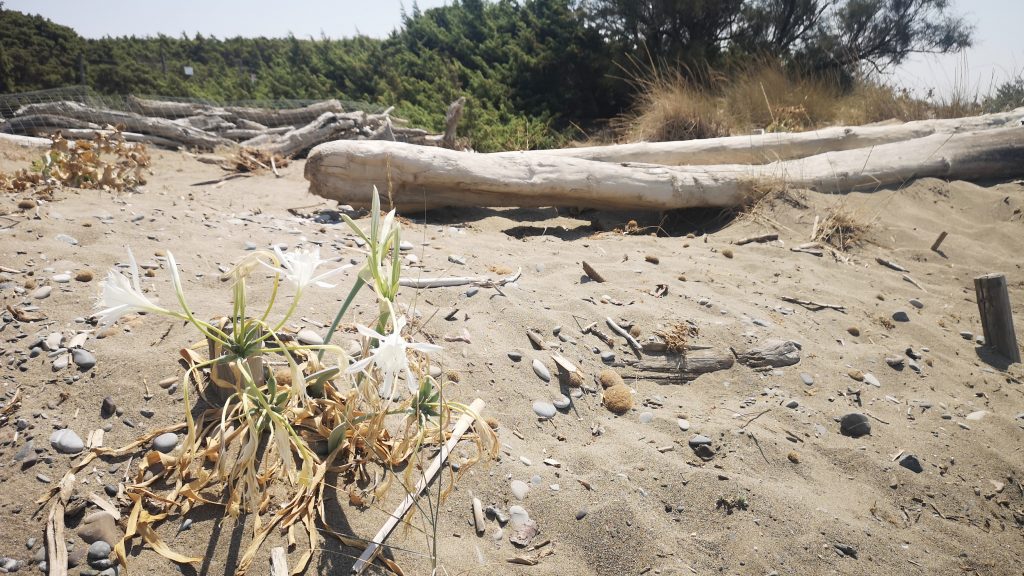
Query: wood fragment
[(478, 516), (938, 241), (56, 544), (813, 306), (463, 424), (593, 274), (907, 278), (760, 238), (278, 561), (891, 264), (997, 315)]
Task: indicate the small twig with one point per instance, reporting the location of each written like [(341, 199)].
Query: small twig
[(273, 167), (914, 282), (813, 306), (938, 241), (891, 264), (637, 349), (761, 238), (876, 417), (755, 418), (758, 444), (428, 475)]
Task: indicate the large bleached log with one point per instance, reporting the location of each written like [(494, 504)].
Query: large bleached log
[(773, 146), (428, 177), (33, 124), (89, 134), (25, 141), (184, 135), (165, 109), (288, 116)]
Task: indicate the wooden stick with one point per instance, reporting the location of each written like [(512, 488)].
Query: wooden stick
[(938, 241), (813, 306), (478, 516), (458, 281), (891, 264), (56, 547), (278, 562), (593, 274), (761, 238), (366, 558), (637, 349), (996, 315)]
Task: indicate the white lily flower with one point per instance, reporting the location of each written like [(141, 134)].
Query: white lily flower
[(299, 267), (121, 296), (391, 356)]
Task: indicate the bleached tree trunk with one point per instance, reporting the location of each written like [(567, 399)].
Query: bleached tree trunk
[(428, 177), (328, 126), (288, 116), (773, 146)]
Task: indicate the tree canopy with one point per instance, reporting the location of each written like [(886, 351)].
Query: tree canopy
[(526, 66)]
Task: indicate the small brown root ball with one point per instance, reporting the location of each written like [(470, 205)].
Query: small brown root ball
[(727, 252), (452, 376), (571, 379), (609, 378), (283, 376), (853, 330), (84, 276), (618, 399), (26, 204), (634, 331)]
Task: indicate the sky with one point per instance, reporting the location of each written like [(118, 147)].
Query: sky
[(998, 53)]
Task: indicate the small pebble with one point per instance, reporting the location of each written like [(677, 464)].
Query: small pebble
[(607, 357), (515, 356), (66, 441), (309, 337), (165, 442), (854, 425), (916, 303), (83, 359), (541, 370), (98, 550), (869, 378), (562, 402), (807, 378), (901, 316), (699, 440), (684, 424), (544, 409), (646, 417), (910, 462), (793, 404), (520, 489), (43, 292)]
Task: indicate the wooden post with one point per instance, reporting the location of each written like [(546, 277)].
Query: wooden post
[(996, 316), (451, 121)]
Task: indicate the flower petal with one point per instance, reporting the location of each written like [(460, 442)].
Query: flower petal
[(359, 366)]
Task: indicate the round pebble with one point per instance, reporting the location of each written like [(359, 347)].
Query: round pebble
[(806, 378), (83, 359), (607, 357), (520, 489), (792, 404), (62, 278), (66, 441), (43, 292), (646, 417), (854, 425), (562, 402), (544, 409), (309, 337), (900, 316), (541, 370), (916, 303), (98, 550), (515, 356), (165, 442), (684, 424)]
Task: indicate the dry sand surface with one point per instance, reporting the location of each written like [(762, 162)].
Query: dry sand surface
[(629, 495)]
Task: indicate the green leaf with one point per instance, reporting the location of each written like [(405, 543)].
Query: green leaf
[(336, 437)]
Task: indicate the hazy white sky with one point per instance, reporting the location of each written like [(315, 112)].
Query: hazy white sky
[(997, 55)]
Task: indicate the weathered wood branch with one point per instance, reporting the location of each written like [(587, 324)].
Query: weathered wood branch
[(673, 368), (327, 126), (427, 177), (774, 146), (131, 122), (290, 116), (33, 124)]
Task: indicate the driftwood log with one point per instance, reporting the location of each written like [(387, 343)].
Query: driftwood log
[(43, 124), (184, 135), (771, 354), (997, 315), (422, 177), (327, 126), (773, 146), (670, 368)]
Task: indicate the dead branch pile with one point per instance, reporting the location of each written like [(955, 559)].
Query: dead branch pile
[(174, 125)]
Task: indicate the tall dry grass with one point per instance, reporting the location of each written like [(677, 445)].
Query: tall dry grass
[(689, 104)]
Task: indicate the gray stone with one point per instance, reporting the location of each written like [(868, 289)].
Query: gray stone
[(83, 359), (967, 335), (699, 440), (66, 441), (977, 415), (520, 489), (405, 245), (165, 442), (108, 407), (61, 278), (309, 337), (806, 378), (916, 303), (541, 370), (515, 356), (98, 550), (646, 417), (147, 412), (854, 425), (870, 378), (910, 462), (900, 316), (99, 526), (42, 292), (472, 292), (608, 357), (581, 514), (65, 238), (544, 409), (793, 404), (562, 402), (895, 362), (684, 424)]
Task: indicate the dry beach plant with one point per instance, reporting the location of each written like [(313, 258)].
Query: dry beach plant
[(276, 443)]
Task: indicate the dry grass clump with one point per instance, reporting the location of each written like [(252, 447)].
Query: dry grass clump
[(841, 228), (677, 336), (610, 378), (107, 162), (255, 160), (618, 399), (704, 103)]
